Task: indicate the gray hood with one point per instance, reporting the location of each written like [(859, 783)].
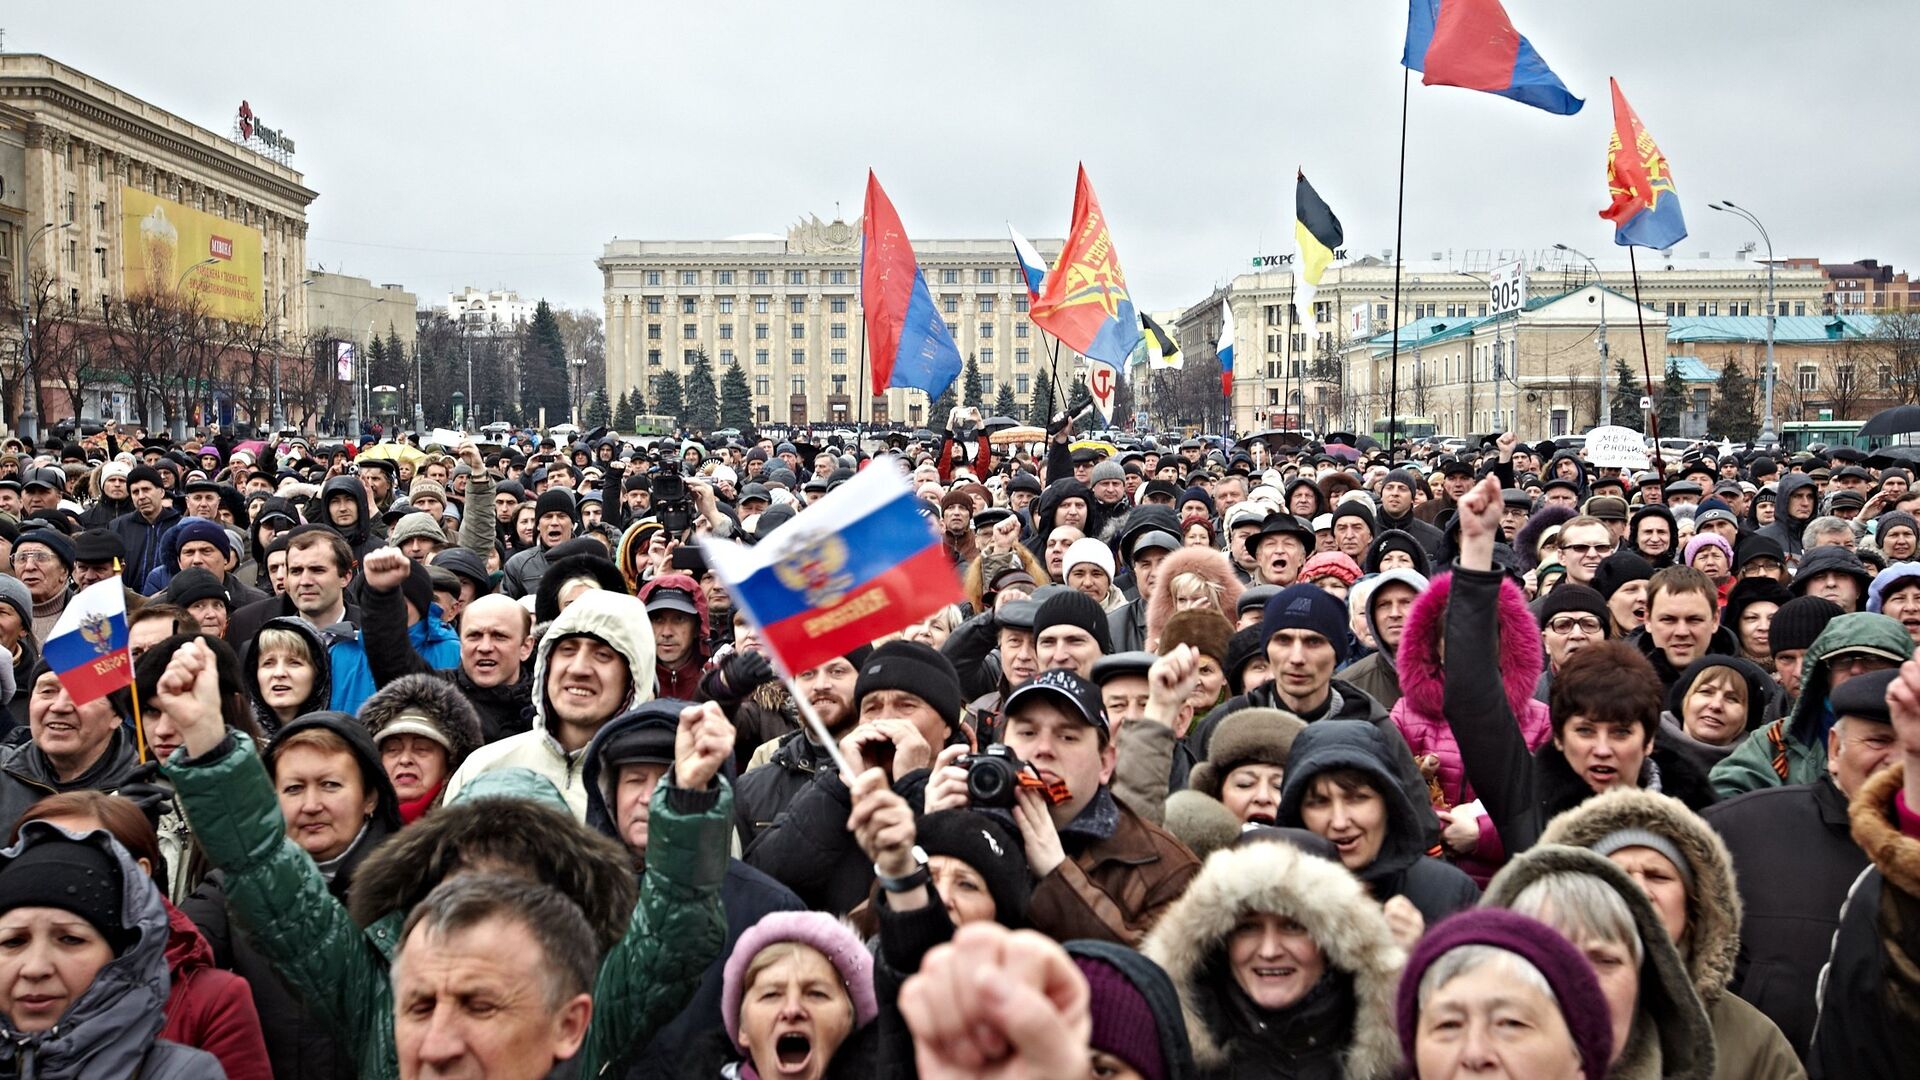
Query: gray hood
[(615, 618), (110, 1027)]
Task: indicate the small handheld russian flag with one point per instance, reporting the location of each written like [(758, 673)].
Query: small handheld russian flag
[(860, 563), (88, 646)]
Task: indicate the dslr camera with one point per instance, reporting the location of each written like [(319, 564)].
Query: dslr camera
[(670, 499), (993, 775)]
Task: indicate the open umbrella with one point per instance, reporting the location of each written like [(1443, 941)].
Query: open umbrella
[(394, 452), (1014, 435), (1906, 456), (999, 423), (1899, 420)]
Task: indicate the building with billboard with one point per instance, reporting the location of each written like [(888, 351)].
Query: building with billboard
[(787, 310), (106, 198)]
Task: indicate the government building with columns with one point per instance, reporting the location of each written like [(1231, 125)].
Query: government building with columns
[(787, 310)]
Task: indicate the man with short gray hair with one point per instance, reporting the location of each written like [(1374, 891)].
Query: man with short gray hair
[(1822, 531), (493, 977)]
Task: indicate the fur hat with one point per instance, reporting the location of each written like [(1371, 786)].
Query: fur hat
[(1207, 631), (424, 705), (1245, 737), (1201, 822)]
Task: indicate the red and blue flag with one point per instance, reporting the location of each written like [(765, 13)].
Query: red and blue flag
[(88, 646), (1646, 206), (1085, 302), (907, 338), (1472, 44), (860, 563)]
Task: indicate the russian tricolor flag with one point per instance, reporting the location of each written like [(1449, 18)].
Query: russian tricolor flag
[(1225, 348), (860, 563), (1033, 268), (1472, 44), (88, 646)]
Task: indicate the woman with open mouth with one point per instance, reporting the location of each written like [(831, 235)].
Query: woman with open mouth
[(424, 728), (1284, 967), (797, 1001)]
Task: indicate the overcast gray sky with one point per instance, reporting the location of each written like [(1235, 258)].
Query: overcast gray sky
[(501, 144)]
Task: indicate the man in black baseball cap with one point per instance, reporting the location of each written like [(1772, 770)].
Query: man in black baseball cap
[(1101, 870)]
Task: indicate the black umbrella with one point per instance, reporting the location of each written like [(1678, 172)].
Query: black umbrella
[(999, 423), (1899, 420), (1904, 456)]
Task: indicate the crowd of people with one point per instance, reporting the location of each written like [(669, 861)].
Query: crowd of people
[(1323, 762)]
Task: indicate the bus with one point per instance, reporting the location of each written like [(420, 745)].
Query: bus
[(655, 425), (1406, 427), (1798, 435)]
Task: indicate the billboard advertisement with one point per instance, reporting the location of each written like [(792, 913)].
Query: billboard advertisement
[(343, 360), (168, 246)]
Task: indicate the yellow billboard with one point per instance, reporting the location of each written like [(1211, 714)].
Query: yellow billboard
[(169, 247)]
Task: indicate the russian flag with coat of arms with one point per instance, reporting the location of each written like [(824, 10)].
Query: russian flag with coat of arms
[(88, 646), (860, 563)]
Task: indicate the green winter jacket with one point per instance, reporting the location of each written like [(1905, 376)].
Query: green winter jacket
[(1793, 749), (341, 969)]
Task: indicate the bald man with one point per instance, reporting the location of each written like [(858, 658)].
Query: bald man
[(496, 642)]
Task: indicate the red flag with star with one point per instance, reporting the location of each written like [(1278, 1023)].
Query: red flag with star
[(1085, 301)]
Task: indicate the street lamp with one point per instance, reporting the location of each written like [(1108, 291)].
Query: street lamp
[(579, 388), (29, 418), (1768, 429), (1606, 370)]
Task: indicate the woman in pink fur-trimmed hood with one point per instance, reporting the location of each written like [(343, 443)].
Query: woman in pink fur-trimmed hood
[(1175, 590), (1474, 846)]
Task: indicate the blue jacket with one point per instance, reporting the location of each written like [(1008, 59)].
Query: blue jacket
[(353, 681)]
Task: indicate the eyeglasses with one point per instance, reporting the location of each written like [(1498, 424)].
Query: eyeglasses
[(32, 558), (1567, 624), (1586, 549)]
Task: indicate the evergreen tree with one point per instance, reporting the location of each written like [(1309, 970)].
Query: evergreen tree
[(1004, 404), (943, 405), (667, 400), (970, 393), (640, 398), (702, 400), (1671, 402), (598, 411), (1626, 398), (623, 413), (736, 399), (1732, 415), (543, 367), (1040, 405)]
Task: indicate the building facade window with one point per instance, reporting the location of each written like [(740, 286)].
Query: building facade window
[(986, 357), (653, 331), (726, 305), (799, 358), (726, 357), (837, 356), (796, 305), (1022, 356), (986, 329), (983, 303), (1020, 304), (762, 357), (950, 304), (796, 277), (1021, 383), (762, 385), (653, 305), (763, 277), (798, 331), (653, 277), (1020, 330), (723, 277), (726, 331), (689, 331), (1809, 378), (838, 331), (760, 332), (689, 277), (837, 305), (949, 277), (688, 305), (836, 277), (653, 357), (988, 277)]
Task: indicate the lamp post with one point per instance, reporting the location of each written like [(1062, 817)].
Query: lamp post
[(29, 416), (359, 364), (1606, 370), (1768, 429), (579, 387)]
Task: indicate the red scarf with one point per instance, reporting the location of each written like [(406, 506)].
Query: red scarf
[(411, 810)]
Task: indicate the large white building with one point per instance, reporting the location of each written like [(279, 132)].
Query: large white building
[(1288, 362), (787, 310), (496, 311)]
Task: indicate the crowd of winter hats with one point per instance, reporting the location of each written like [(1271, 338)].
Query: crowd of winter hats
[(1279, 750)]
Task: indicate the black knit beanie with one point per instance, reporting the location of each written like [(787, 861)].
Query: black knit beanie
[(71, 875), (919, 670), (1617, 569), (1569, 596), (556, 501), (1078, 609), (993, 852), (1799, 621)]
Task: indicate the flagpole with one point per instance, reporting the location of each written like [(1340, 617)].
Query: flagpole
[(1399, 257), (133, 690), (1646, 365), (862, 406)]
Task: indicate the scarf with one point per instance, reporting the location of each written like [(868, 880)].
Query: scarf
[(412, 809)]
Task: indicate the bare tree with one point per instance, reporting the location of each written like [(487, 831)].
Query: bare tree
[(586, 338), (140, 335), (1894, 352), (60, 344)]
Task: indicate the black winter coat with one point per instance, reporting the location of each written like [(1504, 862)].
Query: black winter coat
[(1794, 860), (760, 795), (810, 850)]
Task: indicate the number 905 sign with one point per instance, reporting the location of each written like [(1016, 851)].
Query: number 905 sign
[(1507, 288)]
